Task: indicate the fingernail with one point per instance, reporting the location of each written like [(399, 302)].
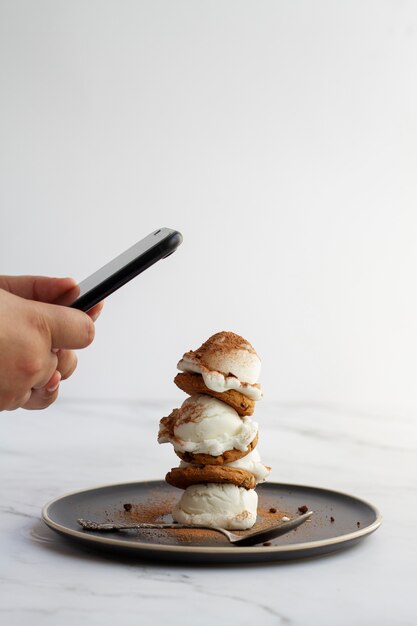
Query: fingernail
[(95, 316), (54, 386), (55, 350)]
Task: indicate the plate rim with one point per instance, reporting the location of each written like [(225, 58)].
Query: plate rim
[(138, 546)]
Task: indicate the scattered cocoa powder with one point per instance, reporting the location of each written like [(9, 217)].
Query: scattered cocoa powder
[(127, 506), (270, 517), (158, 508), (265, 519), (198, 536), (332, 519), (155, 510), (151, 513)]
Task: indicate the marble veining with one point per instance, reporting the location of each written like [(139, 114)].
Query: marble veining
[(79, 444)]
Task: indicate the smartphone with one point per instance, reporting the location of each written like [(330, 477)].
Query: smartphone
[(158, 245)]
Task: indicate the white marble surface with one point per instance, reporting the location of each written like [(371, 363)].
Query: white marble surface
[(74, 445)]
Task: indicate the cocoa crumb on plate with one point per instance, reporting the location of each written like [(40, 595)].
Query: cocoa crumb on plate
[(303, 509)]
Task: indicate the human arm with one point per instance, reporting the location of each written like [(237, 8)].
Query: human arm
[(37, 339)]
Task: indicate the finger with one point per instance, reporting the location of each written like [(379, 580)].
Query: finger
[(67, 362), (53, 383), (94, 313), (41, 399), (40, 288), (17, 402), (69, 328)]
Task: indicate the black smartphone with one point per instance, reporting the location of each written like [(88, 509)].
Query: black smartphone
[(158, 245)]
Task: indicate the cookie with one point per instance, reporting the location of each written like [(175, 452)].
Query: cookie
[(194, 383), (183, 477), (227, 457)]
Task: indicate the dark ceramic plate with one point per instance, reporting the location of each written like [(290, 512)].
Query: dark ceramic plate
[(339, 521)]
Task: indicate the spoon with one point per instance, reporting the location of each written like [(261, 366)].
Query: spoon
[(249, 539)]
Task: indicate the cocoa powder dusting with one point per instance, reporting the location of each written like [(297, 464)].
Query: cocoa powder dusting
[(200, 536), (220, 343), (189, 413), (270, 517), (166, 425), (158, 509)]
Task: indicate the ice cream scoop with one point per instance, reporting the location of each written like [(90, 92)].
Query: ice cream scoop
[(206, 425), (226, 505), (226, 361)]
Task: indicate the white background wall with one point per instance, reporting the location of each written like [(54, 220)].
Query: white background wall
[(279, 137)]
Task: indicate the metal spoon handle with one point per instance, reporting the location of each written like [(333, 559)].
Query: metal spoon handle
[(270, 533), (109, 526)]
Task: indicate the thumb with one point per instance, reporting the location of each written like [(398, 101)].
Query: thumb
[(69, 328)]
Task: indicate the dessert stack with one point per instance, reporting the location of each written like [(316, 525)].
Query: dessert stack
[(214, 435)]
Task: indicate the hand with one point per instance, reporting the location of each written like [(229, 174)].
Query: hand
[(37, 339)]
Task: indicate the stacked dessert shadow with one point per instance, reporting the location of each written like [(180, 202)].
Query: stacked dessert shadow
[(214, 435)]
